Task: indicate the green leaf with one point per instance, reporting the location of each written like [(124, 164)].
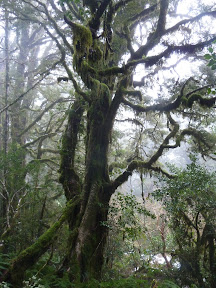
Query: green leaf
[(211, 62), (213, 67), (209, 90), (210, 49), (207, 56)]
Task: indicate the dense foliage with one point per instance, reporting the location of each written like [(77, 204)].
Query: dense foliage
[(190, 203)]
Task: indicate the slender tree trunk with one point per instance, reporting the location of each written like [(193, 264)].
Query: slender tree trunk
[(5, 214), (210, 237)]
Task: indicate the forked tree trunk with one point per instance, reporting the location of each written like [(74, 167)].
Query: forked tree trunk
[(88, 234)]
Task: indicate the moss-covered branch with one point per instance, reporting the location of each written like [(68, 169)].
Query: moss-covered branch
[(68, 177), (165, 142), (27, 258), (201, 137), (151, 163), (205, 102), (136, 165), (150, 61), (156, 107), (186, 101), (132, 120), (75, 84)]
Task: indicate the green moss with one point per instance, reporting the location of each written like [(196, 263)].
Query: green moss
[(96, 54), (84, 72), (205, 102), (101, 101), (47, 237), (29, 256), (184, 101), (82, 39), (111, 71), (192, 98), (178, 141)]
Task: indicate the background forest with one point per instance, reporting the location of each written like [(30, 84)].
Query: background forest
[(107, 143)]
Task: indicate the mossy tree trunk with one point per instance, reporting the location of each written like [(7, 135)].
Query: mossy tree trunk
[(86, 245)]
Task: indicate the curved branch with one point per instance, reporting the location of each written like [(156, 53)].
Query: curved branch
[(191, 20), (134, 121), (38, 118), (143, 50), (206, 102), (44, 160), (187, 100), (172, 134), (56, 27), (134, 165), (43, 137), (141, 16), (198, 135), (76, 86), (167, 107), (152, 60), (156, 70), (68, 177), (149, 165), (23, 94)]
